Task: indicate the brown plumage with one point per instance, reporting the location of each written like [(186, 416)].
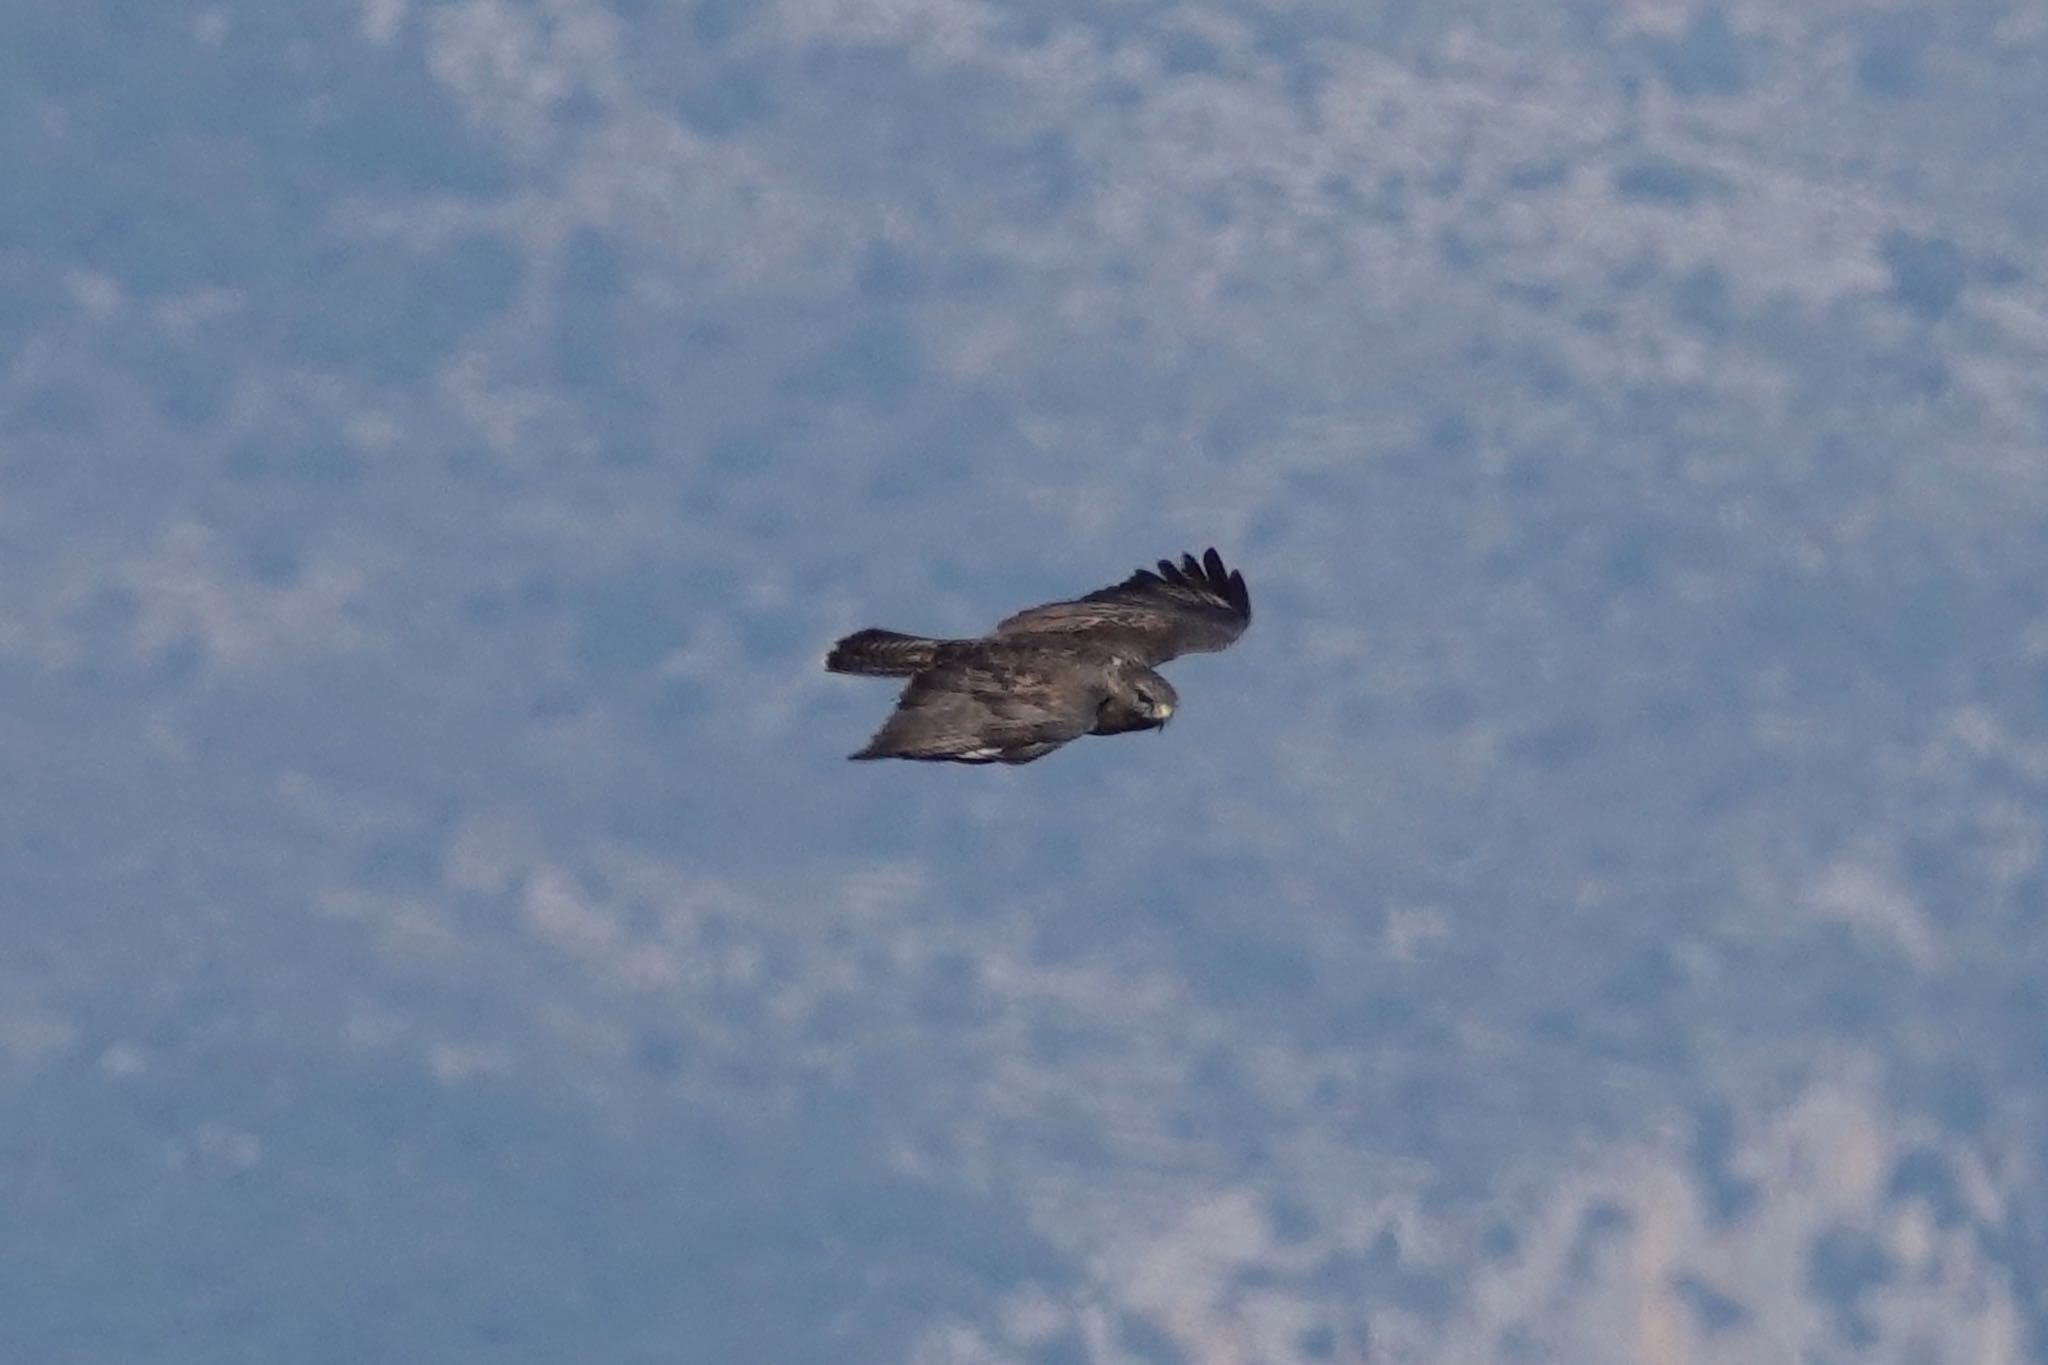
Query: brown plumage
[(1050, 673)]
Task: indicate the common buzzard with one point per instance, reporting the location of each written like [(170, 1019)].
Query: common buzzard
[(1051, 673)]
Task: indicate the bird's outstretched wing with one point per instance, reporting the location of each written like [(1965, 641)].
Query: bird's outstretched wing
[(1187, 608)]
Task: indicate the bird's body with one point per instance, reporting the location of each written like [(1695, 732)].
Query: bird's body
[(1051, 673)]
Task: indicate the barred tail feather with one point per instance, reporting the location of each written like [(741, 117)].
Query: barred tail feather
[(882, 653)]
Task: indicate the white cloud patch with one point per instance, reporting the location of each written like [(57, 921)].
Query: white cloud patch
[(188, 588)]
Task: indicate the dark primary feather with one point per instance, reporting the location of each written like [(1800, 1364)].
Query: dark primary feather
[(1187, 608)]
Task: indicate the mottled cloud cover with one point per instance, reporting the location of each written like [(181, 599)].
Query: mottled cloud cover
[(1595, 914)]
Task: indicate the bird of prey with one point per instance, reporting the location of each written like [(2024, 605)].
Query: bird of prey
[(1050, 673)]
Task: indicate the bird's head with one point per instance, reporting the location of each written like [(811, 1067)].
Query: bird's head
[(1139, 699)]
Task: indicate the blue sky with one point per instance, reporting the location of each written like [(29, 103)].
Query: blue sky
[(1594, 914)]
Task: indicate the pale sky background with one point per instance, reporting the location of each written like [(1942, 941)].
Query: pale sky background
[(1598, 914)]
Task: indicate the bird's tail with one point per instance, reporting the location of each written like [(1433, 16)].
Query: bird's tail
[(883, 653)]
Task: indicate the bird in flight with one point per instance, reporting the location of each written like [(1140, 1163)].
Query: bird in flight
[(1050, 673)]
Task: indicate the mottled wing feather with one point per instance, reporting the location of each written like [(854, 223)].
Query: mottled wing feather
[(1187, 608), (991, 706)]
